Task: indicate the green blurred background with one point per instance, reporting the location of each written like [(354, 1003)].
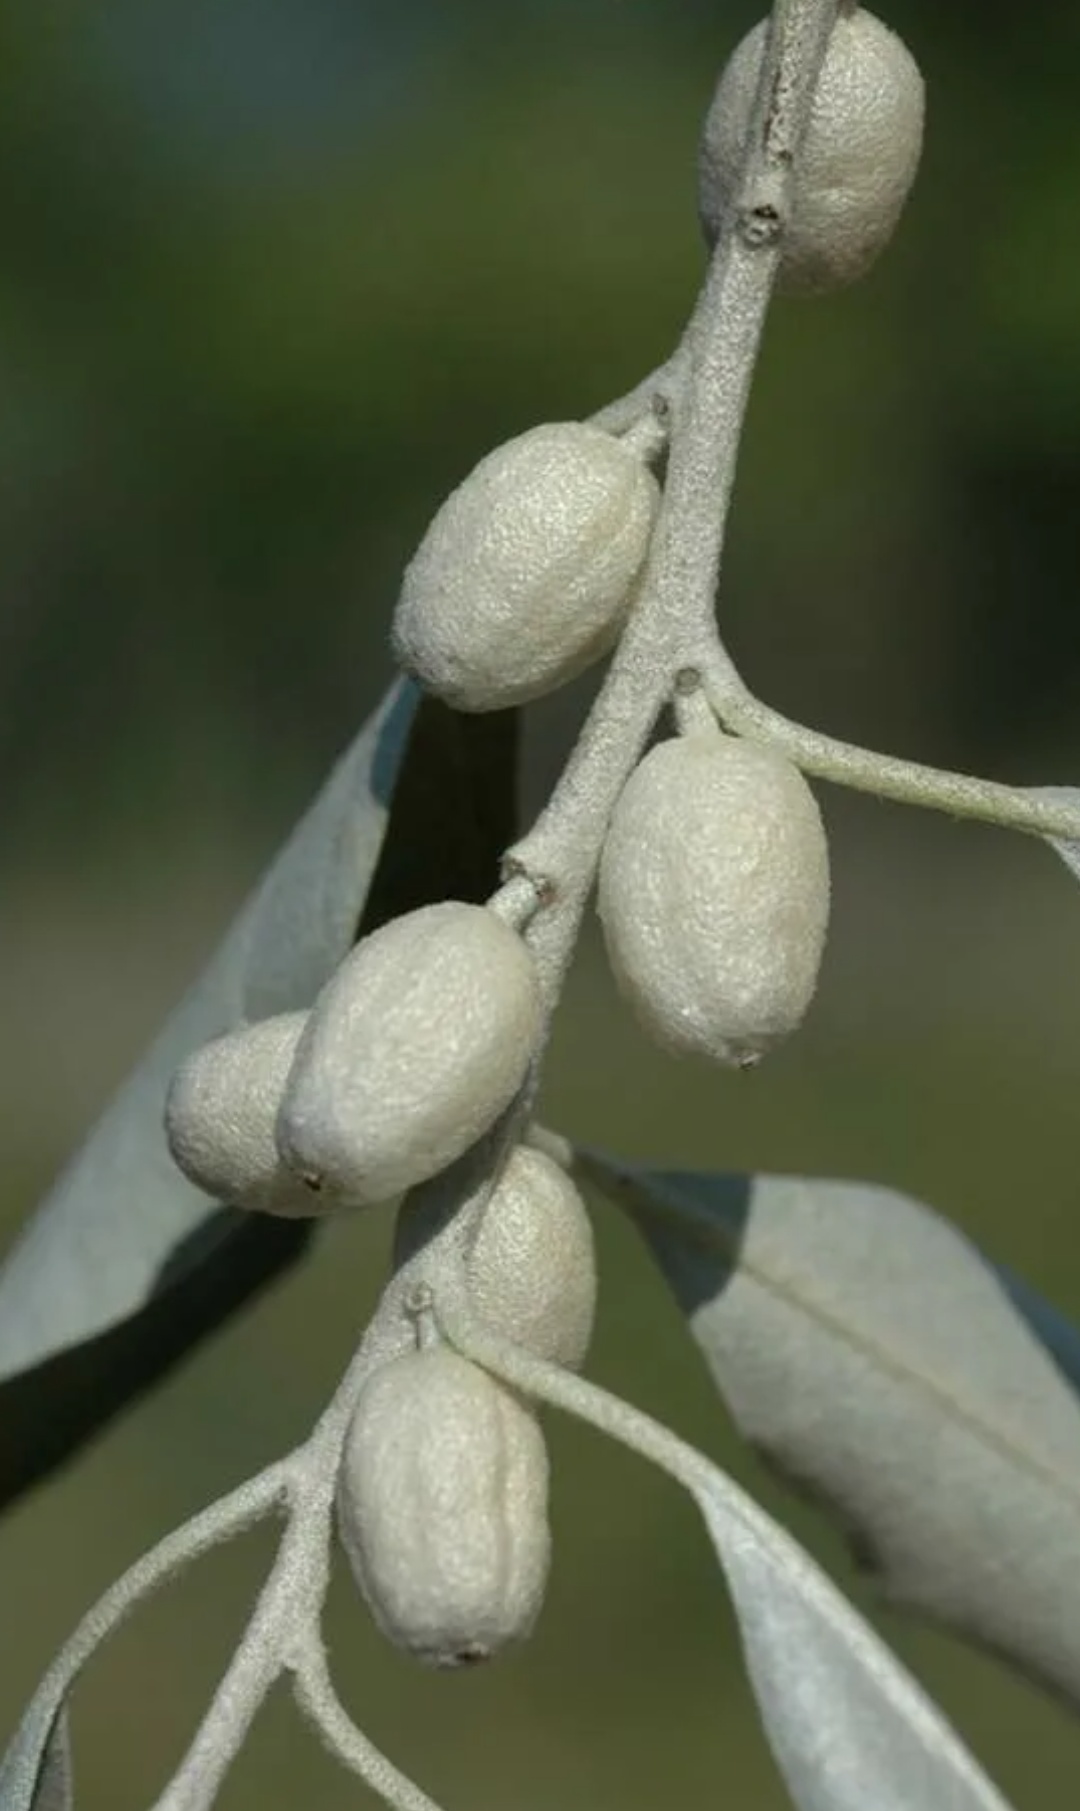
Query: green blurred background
[(274, 276)]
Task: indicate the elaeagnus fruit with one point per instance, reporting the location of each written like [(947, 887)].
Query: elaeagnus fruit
[(531, 1270), (410, 1053), (442, 1508), (527, 571), (714, 896), (857, 160), (220, 1114)]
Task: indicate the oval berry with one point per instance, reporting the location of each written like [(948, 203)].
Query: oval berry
[(714, 896), (220, 1115), (531, 1270), (442, 1508), (857, 161), (410, 1053), (527, 572)]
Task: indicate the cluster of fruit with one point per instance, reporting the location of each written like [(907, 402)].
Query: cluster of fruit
[(713, 892)]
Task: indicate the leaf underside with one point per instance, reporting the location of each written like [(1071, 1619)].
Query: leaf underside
[(48, 1786), (886, 1368), (126, 1266), (848, 1726)]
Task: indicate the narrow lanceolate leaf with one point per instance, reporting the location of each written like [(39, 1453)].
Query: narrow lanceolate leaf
[(41, 1777), (36, 1774), (880, 1362), (849, 1727), (35, 1768), (96, 1249), (126, 1264)]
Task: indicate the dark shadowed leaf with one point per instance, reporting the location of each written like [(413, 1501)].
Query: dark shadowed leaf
[(121, 1221), (125, 1264), (880, 1362), (50, 1408)]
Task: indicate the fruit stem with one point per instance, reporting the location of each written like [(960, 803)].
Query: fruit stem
[(887, 776), (674, 612)]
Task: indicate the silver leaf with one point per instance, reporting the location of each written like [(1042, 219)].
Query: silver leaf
[(36, 1774), (120, 1213), (880, 1362), (849, 1727)]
